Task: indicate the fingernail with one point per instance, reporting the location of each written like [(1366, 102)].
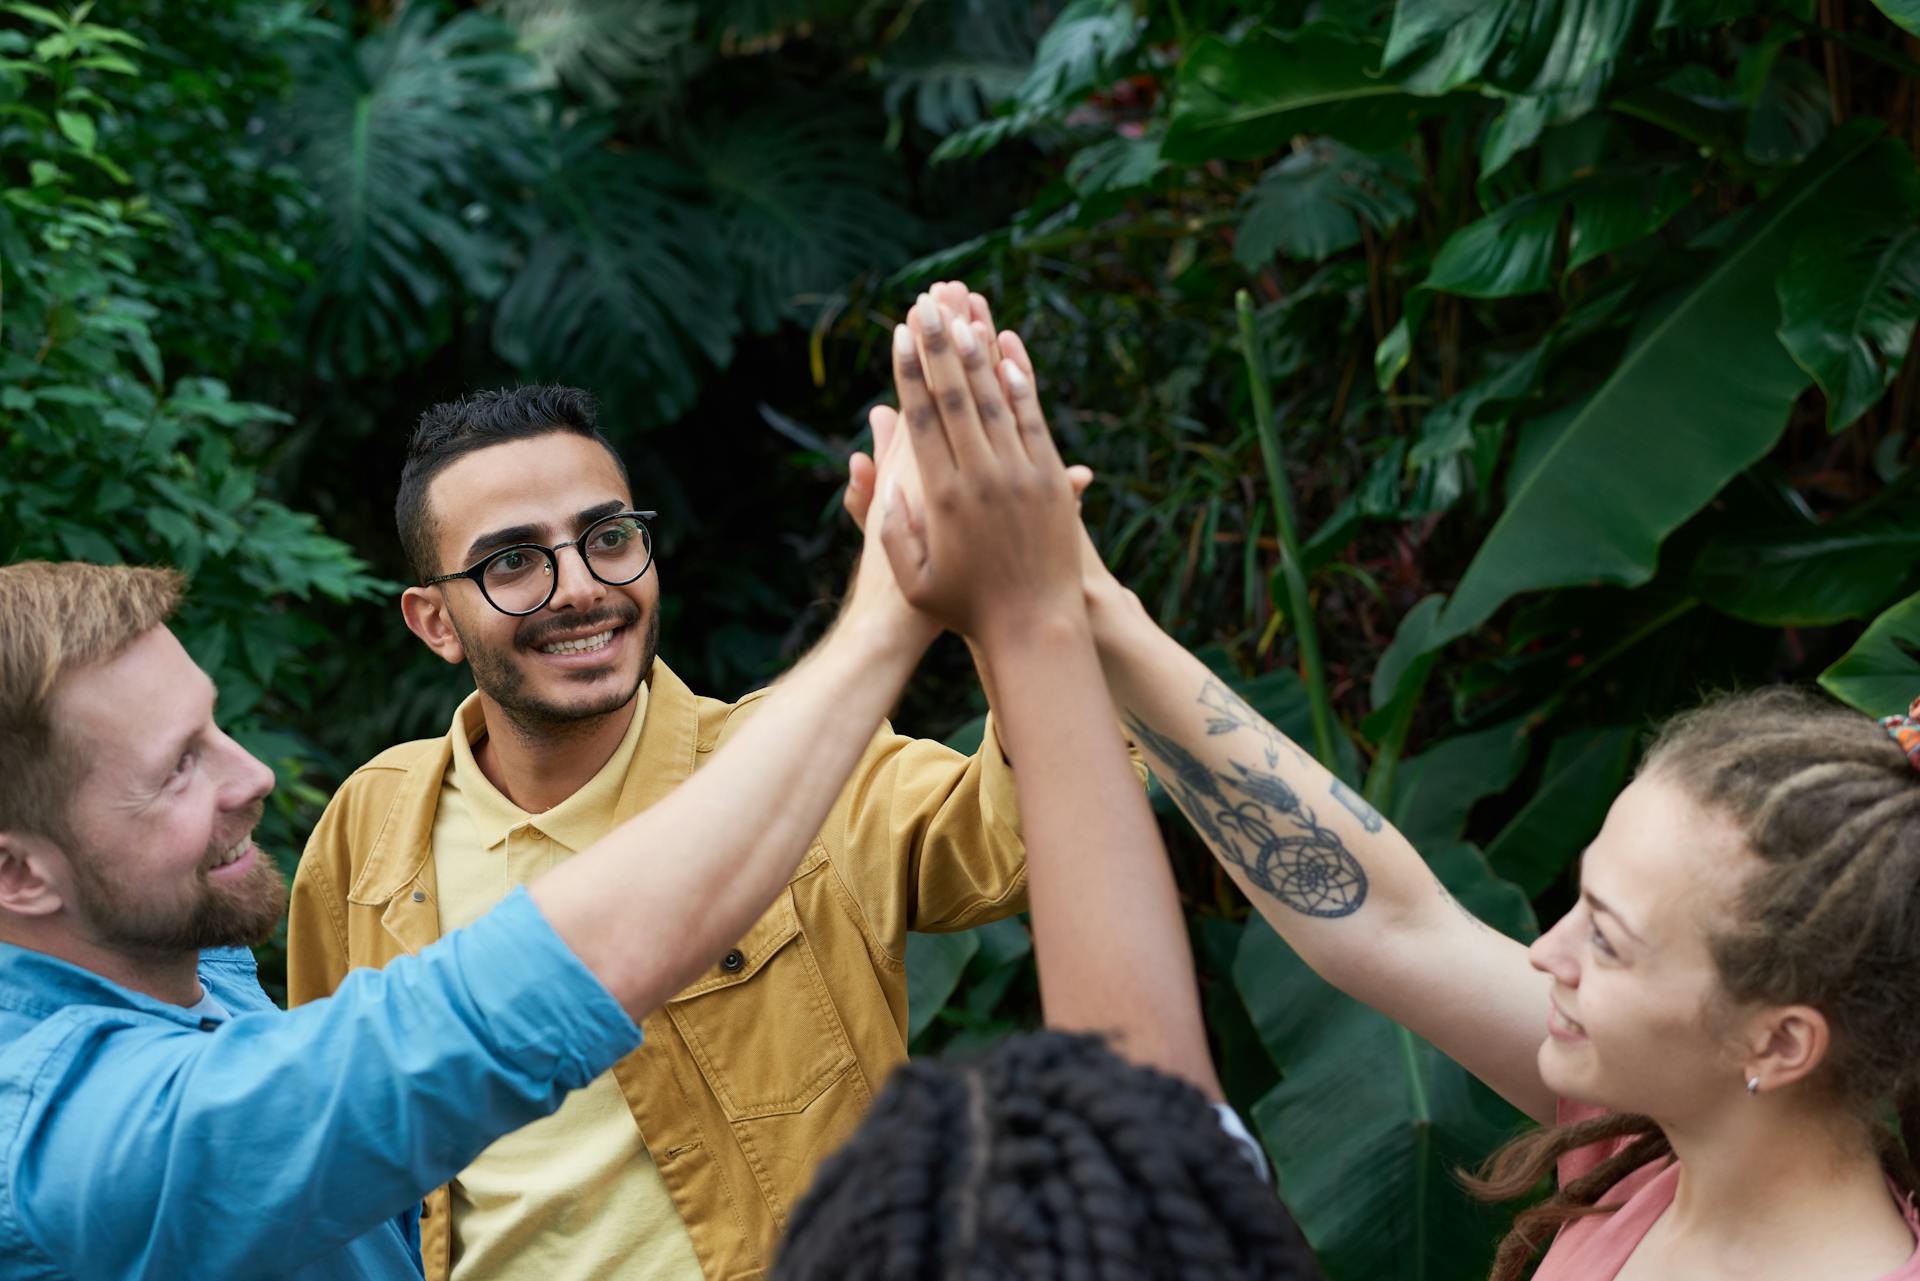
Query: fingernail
[(887, 492), (902, 341), (963, 338), (1015, 379), (930, 318)]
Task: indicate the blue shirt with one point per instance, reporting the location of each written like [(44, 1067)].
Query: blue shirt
[(139, 1140)]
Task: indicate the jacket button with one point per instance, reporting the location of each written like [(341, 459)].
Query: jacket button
[(732, 961), (419, 896)]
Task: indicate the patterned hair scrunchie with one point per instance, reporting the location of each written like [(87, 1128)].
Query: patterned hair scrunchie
[(1905, 730)]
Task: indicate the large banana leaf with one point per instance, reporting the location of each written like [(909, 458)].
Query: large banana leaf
[(1880, 675), (1812, 575), (1702, 391), (1369, 1122), (1849, 298), (1239, 101), (624, 286), (1436, 791)]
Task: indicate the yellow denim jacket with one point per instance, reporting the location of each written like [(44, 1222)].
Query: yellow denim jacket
[(767, 1062)]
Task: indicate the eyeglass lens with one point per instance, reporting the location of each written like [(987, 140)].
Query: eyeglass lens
[(520, 580)]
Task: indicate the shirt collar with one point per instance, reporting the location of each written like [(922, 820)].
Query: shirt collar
[(574, 823)]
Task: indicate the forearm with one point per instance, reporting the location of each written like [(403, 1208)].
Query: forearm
[(651, 905), (1308, 851), (1108, 932)]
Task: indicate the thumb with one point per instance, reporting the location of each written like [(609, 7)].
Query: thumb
[(858, 496)]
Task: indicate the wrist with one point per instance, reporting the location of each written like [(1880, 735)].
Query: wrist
[(1006, 638)]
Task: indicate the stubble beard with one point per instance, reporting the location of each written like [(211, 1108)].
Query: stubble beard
[(498, 675)]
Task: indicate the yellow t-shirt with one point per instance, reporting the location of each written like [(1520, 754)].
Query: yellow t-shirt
[(575, 1195)]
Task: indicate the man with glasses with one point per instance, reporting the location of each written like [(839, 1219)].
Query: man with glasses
[(536, 571)]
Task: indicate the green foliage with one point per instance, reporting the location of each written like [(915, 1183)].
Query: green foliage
[(109, 454), (1586, 328)]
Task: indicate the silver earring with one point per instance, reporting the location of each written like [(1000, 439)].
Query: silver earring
[(1753, 1085)]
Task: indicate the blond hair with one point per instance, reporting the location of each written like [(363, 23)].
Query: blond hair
[(55, 619)]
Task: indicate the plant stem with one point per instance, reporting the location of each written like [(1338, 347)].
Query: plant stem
[(1290, 563)]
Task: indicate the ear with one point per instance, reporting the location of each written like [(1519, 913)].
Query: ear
[(1786, 1045), (427, 615), (29, 866)]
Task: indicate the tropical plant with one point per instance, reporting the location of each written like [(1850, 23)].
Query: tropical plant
[(1559, 305), (109, 454)]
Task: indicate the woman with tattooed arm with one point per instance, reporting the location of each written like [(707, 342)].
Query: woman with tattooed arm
[(1711, 1038)]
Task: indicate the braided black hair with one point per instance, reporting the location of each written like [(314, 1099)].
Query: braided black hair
[(1047, 1159)]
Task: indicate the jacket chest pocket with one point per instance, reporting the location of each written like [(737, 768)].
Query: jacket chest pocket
[(761, 1024)]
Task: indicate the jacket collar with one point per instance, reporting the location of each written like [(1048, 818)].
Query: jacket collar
[(403, 851)]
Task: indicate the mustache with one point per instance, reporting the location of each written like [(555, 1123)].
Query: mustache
[(536, 634)]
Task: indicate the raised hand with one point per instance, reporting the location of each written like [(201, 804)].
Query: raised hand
[(883, 419), (993, 546)]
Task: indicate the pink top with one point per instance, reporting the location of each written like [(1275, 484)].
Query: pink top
[(1597, 1247)]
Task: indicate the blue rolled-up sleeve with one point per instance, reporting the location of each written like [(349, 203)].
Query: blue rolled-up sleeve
[(146, 1148)]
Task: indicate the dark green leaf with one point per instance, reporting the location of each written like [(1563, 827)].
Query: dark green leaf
[(1813, 575), (1239, 101), (1850, 295), (1365, 1156), (624, 286), (1585, 770), (1313, 204), (1704, 386), (1880, 675)]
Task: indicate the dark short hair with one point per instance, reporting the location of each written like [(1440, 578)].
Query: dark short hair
[(456, 428), (1047, 1157)]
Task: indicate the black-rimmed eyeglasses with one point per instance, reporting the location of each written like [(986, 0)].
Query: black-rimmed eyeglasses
[(521, 579)]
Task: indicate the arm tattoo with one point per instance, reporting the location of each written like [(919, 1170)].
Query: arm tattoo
[(1232, 712), (1357, 806), (1306, 867)]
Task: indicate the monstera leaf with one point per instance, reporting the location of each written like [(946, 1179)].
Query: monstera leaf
[(1369, 1122), (623, 285), (1849, 298), (1248, 99), (1313, 204), (1077, 54), (1704, 387), (957, 59), (401, 135), (606, 50), (805, 200)]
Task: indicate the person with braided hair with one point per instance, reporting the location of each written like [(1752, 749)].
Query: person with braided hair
[(1052, 1156), (1712, 1037)]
